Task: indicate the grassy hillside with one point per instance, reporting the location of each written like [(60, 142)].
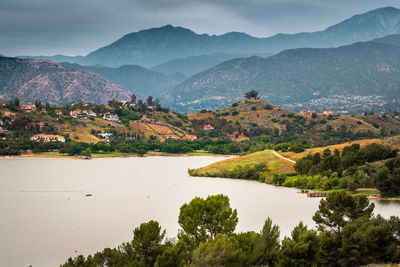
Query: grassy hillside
[(249, 118), (274, 163)]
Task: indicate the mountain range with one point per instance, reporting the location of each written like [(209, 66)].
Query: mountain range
[(137, 80), (149, 48), (296, 76), (190, 72), (47, 81)]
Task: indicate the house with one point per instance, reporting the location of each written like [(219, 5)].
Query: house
[(208, 127), (307, 112), (48, 138), (75, 113), (190, 137), (328, 112), (105, 136), (92, 113), (58, 112), (171, 136), (27, 108), (110, 117)]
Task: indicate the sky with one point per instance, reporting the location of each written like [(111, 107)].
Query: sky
[(77, 27)]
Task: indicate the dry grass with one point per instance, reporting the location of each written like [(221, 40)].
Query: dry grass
[(392, 141), (274, 163)]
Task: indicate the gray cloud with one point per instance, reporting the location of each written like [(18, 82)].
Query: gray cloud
[(72, 27)]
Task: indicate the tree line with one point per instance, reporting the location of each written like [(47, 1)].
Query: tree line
[(347, 234)]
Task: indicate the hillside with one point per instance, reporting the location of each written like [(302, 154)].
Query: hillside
[(280, 165), (137, 80), (249, 118), (155, 46), (47, 81), (351, 78), (274, 163), (140, 125)]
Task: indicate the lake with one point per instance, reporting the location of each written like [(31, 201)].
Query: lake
[(46, 215)]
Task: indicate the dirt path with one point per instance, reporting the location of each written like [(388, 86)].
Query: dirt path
[(282, 157)]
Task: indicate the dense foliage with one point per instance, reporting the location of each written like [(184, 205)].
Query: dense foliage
[(347, 234)]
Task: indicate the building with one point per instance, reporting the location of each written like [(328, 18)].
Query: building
[(208, 127), (171, 136), (90, 113), (328, 112), (111, 117), (27, 108), (58, 112), (105, 136), (48, 138), (307, 112), (75, 113), (190, 137)]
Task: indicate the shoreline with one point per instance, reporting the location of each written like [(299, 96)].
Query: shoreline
[(56, 155)]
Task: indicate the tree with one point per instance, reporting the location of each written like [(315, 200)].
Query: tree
[(205, 218), (266, 247), (133, 99), (87, 153), (388, 178), (338, 209), (367, 241), (149, 101), (221, 251), (251, 94), (147, 243), (302, 249)]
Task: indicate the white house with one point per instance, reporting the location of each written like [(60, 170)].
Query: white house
[(111, 117), (48, 138), (105, 136)]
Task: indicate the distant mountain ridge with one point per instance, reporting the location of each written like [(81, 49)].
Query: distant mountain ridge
[(195, 64), (47, 81), (155, 46), (296, 76), (137, 80)]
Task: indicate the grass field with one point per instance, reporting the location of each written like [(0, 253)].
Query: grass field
[(274, 163)]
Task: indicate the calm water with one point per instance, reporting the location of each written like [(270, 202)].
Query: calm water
[(45, 215)]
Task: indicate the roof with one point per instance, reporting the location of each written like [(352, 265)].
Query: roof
[(49, 135)]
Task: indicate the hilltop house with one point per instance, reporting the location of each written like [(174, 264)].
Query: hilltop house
[(307, 112), (48, 138), (27, 108), (328, 112), (190, 137), (208, 127)]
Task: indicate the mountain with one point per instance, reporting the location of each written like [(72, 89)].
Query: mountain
[(32, 80), (136, 79), (366, 72), (195, 64), (155, 46), (57, 58), (393, 39)]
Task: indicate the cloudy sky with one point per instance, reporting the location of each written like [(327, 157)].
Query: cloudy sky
[(77, 27)]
